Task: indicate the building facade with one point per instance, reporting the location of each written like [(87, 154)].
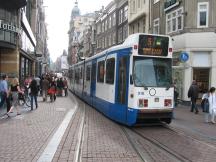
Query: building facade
[(111, 25), (138, 16), (78, 40), (192, 25), (21, 37)]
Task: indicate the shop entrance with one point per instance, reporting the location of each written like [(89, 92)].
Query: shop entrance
[(202, 78)]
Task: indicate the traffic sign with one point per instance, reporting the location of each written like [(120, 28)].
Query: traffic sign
[(184, 56)]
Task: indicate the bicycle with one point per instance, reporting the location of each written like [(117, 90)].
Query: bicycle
[(24, 99)]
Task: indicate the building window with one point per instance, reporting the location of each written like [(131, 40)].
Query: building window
[(120, 16), (174, 21), (139, 4), (100, 72), (105, 25), (156, 26), (202, 17), (120, 35), (125, 13), (125, 31), (155, 1), (114, 19), (114, 38), (144, 25), (134, 6), (110, 70), (102, 26), (110, 21)]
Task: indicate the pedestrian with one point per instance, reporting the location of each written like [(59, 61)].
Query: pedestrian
[(205, 106), (65, 86), (15, 90), (33, 93), (193, 94), (45, 87), (4, 92), (52, 90), (38, 82), (212, 104)]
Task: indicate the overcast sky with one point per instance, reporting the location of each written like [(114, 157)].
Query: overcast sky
[(58, 17)]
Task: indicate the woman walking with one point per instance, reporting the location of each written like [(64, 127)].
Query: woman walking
[(212, 104), (15, 89)]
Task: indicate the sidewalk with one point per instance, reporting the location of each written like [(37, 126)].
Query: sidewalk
[(24, 137)]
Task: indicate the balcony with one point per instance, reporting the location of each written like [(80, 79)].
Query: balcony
[(13, 4)]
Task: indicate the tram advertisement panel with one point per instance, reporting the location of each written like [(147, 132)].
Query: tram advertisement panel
[(153, 45)]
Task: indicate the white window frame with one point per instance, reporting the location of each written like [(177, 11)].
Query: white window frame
[(202, 10), (156, 1), (170, 18), (156, 25)]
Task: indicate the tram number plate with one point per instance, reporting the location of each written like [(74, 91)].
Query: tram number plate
[(156, 99)]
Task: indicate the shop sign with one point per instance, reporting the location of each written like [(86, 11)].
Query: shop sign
[(170, 4), (9, 27)]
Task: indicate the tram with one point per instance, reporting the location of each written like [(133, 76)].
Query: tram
[(130, 83)]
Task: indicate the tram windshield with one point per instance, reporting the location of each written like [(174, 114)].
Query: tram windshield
[(152, 72)]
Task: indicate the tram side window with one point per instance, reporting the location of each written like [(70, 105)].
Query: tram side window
[(81, 72), (77, 75), (88, 72), (100, 72), (110, 70)]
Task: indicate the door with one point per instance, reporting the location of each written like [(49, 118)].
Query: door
[(121, 96), (93, 82)]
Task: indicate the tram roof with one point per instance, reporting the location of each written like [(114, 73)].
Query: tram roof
[(129, 42)]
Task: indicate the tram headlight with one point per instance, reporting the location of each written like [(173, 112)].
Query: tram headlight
[(167, 102), (140, 103), (143, 103)]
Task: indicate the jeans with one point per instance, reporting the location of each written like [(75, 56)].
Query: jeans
[(3, 96), (35, 98), (193, 105)]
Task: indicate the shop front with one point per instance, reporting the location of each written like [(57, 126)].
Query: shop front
[(9, 31)]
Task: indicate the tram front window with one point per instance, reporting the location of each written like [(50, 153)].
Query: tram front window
[(152, 72)]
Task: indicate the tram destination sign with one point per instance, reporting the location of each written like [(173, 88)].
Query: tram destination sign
[(153, 45)]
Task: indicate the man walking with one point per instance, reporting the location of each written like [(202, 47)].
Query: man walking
[(193, 94), (4, 92), (45, 87)]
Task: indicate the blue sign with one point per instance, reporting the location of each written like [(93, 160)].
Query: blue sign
[(184, 57)]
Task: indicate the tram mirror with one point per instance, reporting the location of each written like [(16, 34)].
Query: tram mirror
[(131, 79)]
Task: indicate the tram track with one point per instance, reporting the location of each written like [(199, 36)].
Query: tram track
[(170, 144), (141, 143)]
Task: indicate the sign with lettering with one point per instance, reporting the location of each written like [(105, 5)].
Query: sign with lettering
[(9, 27), (153, 45)]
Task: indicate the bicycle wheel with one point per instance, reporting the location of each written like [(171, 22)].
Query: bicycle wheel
[(28, 101), (21, 100)]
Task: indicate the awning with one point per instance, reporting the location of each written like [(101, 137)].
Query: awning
[(13, 4)]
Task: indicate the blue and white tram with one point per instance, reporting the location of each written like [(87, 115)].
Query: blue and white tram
[(129, 83)]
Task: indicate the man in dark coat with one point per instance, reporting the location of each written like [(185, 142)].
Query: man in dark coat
[(193, 94), (34, 93)]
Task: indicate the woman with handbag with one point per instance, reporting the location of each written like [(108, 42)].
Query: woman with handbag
[(15, 90)]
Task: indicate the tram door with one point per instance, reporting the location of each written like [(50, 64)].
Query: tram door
[(122, 87), (93, 82)]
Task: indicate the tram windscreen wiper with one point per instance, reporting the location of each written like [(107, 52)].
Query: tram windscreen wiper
[(140, 82)]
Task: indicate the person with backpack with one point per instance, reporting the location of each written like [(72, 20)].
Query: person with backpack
[(193, 94)]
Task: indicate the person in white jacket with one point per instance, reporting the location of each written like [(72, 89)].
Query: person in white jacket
[(212, 104)]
